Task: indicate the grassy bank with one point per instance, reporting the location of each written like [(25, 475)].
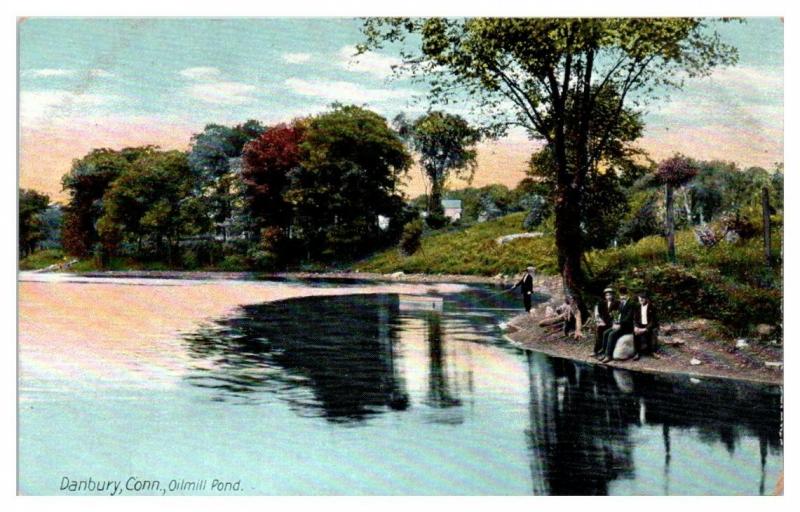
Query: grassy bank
[(730, 282), (471, 251)]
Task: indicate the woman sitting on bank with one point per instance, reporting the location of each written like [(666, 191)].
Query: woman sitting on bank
[(569, 314)]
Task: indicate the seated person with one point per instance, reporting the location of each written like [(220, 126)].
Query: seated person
[(569, 313), (603, 312), (645, 325), (622, 326)]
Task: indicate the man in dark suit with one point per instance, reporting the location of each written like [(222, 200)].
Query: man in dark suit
[(623, 326), (526, 284), (645, 323), (603, 319)]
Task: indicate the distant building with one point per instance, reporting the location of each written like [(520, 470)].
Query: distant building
[(383, 222), (452, 209)]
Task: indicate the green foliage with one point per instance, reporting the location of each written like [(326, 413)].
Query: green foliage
[(145, 202), (410, 239), (233, 263), (445, 143), (642, 219), (470, 250), (575, 83), (86, 183), (537, 211), (42, 259), (349, 173), (32, 206), (728, 282)]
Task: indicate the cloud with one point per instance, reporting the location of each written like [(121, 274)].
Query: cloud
[(222, 93), (296, 58), (744, 96), (49, 72), (749, 82), (334, 90), (373, 63), (38, 105), (200, 73)]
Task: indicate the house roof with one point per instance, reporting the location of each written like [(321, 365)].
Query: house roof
[(451, 203)]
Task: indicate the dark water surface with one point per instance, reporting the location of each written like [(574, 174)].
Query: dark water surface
[(360, 395)]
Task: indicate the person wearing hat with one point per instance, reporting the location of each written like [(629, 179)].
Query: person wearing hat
[(603, 312), (526, 284), (622, 326), (645, 324)]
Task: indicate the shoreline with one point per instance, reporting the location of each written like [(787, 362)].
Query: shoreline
[(679, 343), (719, 358), (376, 277)]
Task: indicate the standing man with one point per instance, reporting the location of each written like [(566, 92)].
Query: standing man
[(527, 288), (645, 323), (621, 327), (603, 319)]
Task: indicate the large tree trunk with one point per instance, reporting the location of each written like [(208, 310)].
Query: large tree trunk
[(435, 200), (670, 224), (569, 241)]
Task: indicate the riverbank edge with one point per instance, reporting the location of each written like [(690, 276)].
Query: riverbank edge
[(523, 333), (344, 275)]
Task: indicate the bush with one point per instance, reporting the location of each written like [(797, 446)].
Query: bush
[(537, 211), (706, 236), (263, 260), (233, 263), (735, 223), (642, 222), (189, 259), (410, 240)]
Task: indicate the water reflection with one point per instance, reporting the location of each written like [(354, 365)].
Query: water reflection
[(589, 428), (333, 355), (583, 419)]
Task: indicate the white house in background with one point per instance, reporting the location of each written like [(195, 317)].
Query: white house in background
[(452, 209), (383, 222)]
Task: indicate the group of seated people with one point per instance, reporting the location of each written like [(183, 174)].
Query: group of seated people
[(613, 318)]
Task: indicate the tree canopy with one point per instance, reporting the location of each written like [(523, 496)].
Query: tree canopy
[(445, 143), (32, 205), (553, 77)]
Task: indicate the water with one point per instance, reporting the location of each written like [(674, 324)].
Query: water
[(359, 395)]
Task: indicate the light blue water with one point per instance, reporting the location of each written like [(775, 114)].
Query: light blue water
[(356, 395)]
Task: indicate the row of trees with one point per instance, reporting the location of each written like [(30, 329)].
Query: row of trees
[(265, 195)]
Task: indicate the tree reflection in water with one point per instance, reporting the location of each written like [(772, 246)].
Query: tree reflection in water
[(343, 359), (582, 418), (331, 356)]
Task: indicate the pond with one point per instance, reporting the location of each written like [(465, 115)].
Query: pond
[(368, 394)]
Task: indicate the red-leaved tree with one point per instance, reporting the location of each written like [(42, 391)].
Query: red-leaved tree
[(267, 161)]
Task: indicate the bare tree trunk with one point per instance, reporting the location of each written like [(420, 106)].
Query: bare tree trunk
[(765, 213), (670, 224)]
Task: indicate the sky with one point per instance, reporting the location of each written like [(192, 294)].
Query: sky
[(88, 83)]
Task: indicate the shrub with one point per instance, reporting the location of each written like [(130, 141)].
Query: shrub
[(735, 223), (263, 260), (233, 262), (436, 220), (706, 236), (643, 221), (189, 259), (537, 211), (410, 240)]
